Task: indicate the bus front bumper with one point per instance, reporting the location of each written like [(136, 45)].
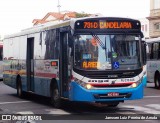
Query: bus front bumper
[(78, 93)]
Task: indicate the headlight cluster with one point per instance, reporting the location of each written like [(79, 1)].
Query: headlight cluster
[(134, 85), (89, 86), (83, 84)]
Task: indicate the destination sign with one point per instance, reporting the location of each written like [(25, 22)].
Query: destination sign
[(107, 24), (90, 64)]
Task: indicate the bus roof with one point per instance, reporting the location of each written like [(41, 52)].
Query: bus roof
[(38, 28), (53, 25)]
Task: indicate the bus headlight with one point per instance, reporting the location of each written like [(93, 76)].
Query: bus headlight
[(83, 84), (88, 86), (134, 85)]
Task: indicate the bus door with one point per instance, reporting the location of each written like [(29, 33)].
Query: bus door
[(65, 66), (30, 64)]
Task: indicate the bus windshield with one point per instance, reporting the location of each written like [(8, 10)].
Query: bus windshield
[(107, 52)]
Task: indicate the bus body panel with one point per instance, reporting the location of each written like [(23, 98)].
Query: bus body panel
[(42, 86), (145, 79), (43, 74), (152, 67)]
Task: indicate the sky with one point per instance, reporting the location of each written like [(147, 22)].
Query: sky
[(16, 15)]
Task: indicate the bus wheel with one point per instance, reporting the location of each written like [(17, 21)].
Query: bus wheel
[(55, 98), (19, 88), (157, 81)]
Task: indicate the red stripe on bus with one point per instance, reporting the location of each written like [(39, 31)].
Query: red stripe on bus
[(49, 75)]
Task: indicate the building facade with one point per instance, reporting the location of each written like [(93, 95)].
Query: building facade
[(144, 27), (154, 19)]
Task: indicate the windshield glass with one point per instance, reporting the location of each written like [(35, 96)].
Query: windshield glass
[(106, 52)]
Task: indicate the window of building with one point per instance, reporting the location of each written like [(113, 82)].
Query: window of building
[(156, 4), (142, 27), (145, 27), (157, 26)]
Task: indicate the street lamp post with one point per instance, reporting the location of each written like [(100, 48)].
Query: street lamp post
[(59, 7)]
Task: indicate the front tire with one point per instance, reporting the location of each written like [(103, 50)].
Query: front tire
[(56, 101), (157, 81)]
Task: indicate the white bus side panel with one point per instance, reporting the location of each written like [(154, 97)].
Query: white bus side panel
[(152, 67)]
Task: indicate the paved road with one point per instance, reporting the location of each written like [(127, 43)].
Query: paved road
[(33, 104)]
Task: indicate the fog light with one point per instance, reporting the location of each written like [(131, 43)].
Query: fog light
[(88, 86), (134, 85)]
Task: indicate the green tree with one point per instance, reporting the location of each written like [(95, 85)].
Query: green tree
[(81, 15)]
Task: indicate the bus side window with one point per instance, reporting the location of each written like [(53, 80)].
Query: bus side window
[(52, 44), (148, 48), (151, 51), (155, 51)]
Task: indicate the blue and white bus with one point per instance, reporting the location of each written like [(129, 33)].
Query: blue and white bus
[(97, 60)]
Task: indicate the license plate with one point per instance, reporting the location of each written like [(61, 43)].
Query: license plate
[(113, 94)]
